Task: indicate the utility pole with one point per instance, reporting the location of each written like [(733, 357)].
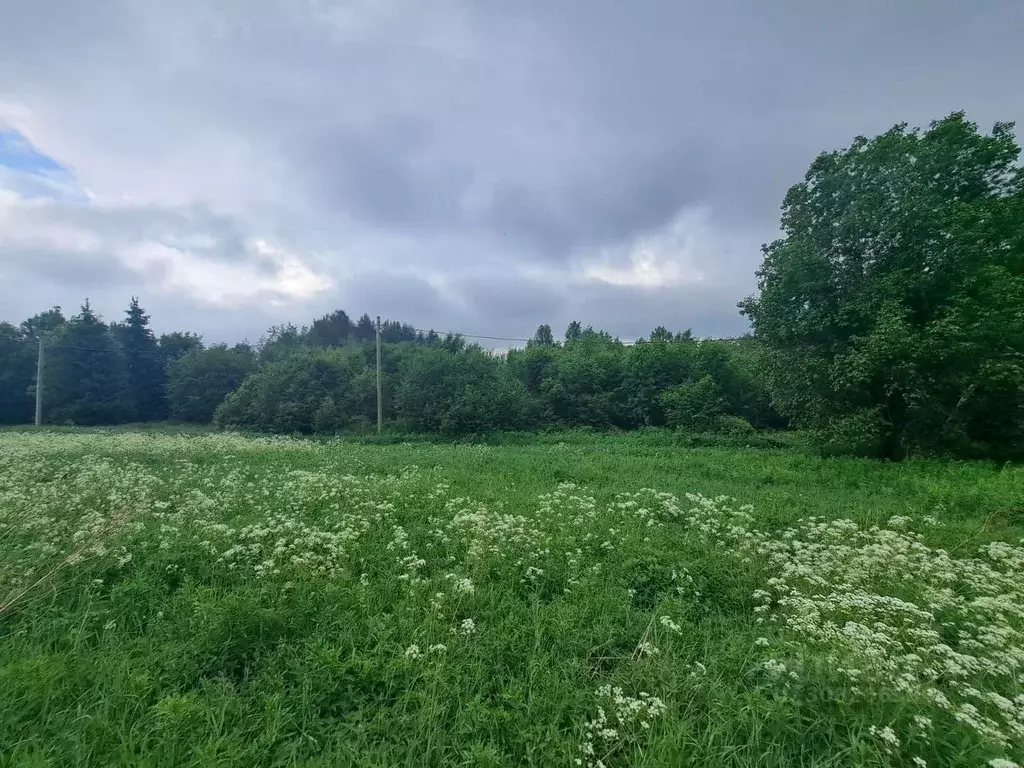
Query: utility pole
[(39, 384), (380, 404)]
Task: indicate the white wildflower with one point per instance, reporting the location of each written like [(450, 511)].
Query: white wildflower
[(413, 652), (666, 621), (646, 648), (886, 735)]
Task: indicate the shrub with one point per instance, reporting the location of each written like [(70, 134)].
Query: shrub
[(465, 392), (290, 395), (200, 380), (696, 406)]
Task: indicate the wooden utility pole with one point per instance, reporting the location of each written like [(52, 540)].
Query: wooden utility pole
[(39, 384), (380, 404)]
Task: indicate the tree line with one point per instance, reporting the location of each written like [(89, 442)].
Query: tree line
[(322, 378), (889, 321)]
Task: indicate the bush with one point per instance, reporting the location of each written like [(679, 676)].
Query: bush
[(327, 420), (696, 406), (307, 391), (465, 392), (859, 434), (200, 380), (735, 426)]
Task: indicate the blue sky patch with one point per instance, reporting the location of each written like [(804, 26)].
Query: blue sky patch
[(32, 174), (17, 153)]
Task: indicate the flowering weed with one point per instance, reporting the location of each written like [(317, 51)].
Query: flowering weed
[(174, 599)]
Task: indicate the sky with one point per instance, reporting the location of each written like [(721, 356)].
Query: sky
[(480, 167)]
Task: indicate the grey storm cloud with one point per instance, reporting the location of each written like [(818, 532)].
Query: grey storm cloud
[(67, 271), (484, 167)]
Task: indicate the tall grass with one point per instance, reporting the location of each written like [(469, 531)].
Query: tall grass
[(590, 600)]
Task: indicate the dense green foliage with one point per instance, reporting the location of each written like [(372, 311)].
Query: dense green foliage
[(448, 387), (697, 406), (17, 375), (264, 602), (295, 393), (86, 379), (465, 392), (322, 378), (891, 309), (198, 381), (18, 349), (143, 363), (889, 322), (177, 344)]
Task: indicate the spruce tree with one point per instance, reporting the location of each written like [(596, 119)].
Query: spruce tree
[(86, 378), (143, 362), (17, 375)]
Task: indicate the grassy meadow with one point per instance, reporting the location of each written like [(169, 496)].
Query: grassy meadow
[(212, 599)]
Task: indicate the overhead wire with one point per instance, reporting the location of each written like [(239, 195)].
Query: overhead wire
[(526, 341), (157, 352), (49, 347), (472, 335)]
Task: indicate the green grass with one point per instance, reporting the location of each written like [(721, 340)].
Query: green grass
[(172, 641)]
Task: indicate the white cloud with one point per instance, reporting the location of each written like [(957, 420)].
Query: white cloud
[(177, 256), (687, 251), (15, 116), (228, 285)]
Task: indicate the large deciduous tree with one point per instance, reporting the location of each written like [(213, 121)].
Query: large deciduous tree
[(573, 331), (460, 392), (651, 367), (18, 350), (178, 344), (198, 382), (44, 324), (893, 305), (543, 337), (365, 329), (331, 330)]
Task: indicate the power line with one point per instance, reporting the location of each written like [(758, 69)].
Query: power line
[(626, 343), (472, 335), (157, 352), (87, 349), (98, 349)]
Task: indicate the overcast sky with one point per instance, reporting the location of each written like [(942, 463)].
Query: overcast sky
[(473, 166)]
